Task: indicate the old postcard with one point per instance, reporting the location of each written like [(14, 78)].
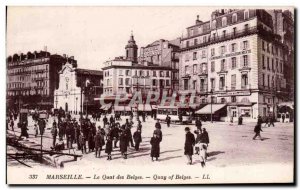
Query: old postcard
[(150, 95)]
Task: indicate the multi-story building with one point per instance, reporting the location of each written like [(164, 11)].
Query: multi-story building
[(163, 53), (235, 59), (123, 75), (78, 89), (283, 23), (32, 79)]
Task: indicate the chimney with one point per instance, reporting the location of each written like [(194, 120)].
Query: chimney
[(198, 21)]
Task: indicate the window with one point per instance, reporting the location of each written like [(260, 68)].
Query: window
[(221, 82), (233, 62), (187, 57), (233, 47), (223, 49), (245, 45), (167, 74), (224, 33), (214, 36), (204, 39), (272, 66), (186, 69), (148, 73), (246, 27), (195, 41), (203, 54), (234, 18), (154, 82), (212, 83), (244, 80), (263, 45), (187, 43), (120, 81), (233, 81), (154, 73), (212, 52), (194, 69), (245, 60), (212, 66), (186, 84), (127, 81), (263, 62), (263, 79), (223, 100), (224, 21), (194, 84), (202, 85), (268, 47), (167, 82), (246, 15), (223, 65), (161, 73), (194, 55), (233, 98), (268, 63), (268, 80), (234, 31), (277, 65)]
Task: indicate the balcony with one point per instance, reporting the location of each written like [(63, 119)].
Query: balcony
[(202, 73), (222, 71), (234, 35)]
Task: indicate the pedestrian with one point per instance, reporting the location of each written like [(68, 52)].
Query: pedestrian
[(82, 142), (105, 120), (123, 143), (198, 124), (91, 142), (198, 133), (204, 141), (98, 144), (157, 125), (129, 136), (68, 135), (283, 117), (189, 144), (259, 120), (108, 148), (158, 132), (36, 130), (12, 124), (271, 121), (54, 134), (24, 129), (137, 139), (155, 149), (257, 130), (168, 120)]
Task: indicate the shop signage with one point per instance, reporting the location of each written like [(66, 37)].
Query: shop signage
[(231, 54), (234, 93)]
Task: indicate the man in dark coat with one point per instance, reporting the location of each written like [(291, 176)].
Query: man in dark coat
[(123, 143), (108, 148), (259, 120), (168, 120), (24, 129), (155, 149), (137, 139), (198, 124), (54, 134), (189, 144), (158, 132), (257, 130), (98, 144), (129, 136), (105, 120)]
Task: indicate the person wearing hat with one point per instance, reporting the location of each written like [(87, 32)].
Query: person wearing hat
[(204, 141), (189, 144), (158, 132), (155, 149)]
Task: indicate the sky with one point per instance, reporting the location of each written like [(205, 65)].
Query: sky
[(95, 34)]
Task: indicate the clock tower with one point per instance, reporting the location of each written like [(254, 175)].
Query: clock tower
[(131, 49)]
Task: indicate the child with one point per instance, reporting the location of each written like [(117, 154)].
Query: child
[(108, 148), (155, 146)]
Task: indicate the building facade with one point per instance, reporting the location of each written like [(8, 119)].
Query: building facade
[(78, 89), (32, 79), (236, 59), (163, 53)]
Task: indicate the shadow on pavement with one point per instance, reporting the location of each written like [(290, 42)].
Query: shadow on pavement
[(214, 153), (169, 158)]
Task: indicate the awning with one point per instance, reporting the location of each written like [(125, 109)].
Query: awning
[(119, 108), (105, 107), (287, 104), (208, 109)]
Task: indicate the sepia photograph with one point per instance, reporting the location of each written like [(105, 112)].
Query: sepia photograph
[(134, 95)]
